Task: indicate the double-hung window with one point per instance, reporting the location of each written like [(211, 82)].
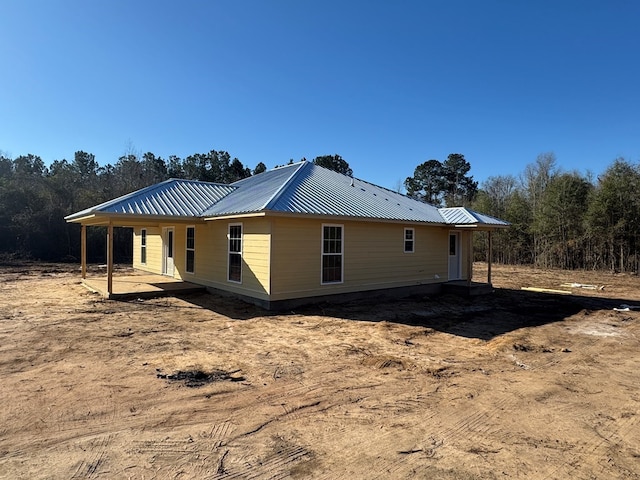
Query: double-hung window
[(409, 240), (143, 246), (235, 252), (191, 250), (332, 253)]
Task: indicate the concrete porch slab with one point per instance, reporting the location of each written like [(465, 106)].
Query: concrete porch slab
[(141, 286), (464, 288)]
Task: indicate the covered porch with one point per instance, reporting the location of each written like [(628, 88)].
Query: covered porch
[(143, 285), (113, 284), (117, 284), (468, 285)]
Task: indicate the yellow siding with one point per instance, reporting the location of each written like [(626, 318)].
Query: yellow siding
[(180, 252), (374, 257), (282, 256), (154, 250), (256, 254), (295, 257), (211, 252)]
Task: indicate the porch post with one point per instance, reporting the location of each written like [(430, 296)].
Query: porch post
[(83, 251), (489, 257), (469, 257), (110, 260)]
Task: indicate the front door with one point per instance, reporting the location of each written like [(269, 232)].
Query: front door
[(167, 251), (454, 256)]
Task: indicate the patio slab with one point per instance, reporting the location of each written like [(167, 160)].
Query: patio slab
[(141, 286)]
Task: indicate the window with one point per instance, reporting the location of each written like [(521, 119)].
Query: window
[(191, 249), (143, 246), (409, 237), (235, 253), (332, 249)]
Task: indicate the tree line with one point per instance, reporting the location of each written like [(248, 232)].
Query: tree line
[(35, 198), (558, 219), (565, 219)]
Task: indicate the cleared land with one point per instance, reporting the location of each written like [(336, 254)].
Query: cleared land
[(517, 384)]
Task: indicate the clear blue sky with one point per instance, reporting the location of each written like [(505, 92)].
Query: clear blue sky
[(385, 84)]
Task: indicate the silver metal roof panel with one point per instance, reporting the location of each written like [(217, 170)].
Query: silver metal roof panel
[(305, 188), (183, 198), (253, 194)]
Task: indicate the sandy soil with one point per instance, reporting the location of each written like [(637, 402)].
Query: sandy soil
[(512, 385)]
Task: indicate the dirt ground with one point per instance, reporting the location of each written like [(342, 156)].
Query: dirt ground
[(516, 384)]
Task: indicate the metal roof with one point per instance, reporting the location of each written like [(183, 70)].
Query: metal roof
[(253, 194), (302, 188), (465, 216), (305, 188), (181, 198)]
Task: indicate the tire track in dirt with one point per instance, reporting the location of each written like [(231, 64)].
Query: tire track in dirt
[(287, 402), (405, 463), (196, 454), (397, 463), (96, 454), (596, 455), (476, 425), (274, 466)]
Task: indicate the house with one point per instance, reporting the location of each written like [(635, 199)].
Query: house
[(292, 234)]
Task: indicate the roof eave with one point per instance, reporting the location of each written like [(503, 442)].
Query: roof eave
[(121, 219), (321, 216)]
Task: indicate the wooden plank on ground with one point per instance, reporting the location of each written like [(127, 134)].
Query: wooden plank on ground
[(546, 290)]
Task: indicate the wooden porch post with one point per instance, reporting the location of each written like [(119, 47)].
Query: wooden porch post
[(469, 258), (489, 257), (83, 251), (110, 260)]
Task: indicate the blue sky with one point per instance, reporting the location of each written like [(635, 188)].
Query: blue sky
[(385, 84)]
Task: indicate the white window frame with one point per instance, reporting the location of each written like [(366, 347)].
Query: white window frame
[(323, 254), (412, 240), (187, 249), (229, 252), (143, 246)]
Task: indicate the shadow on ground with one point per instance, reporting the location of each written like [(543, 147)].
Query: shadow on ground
[(482, 317)]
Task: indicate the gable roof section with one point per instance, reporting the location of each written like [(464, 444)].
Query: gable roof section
[(174, 198)]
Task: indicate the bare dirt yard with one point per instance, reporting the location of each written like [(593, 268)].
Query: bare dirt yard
[(516, 384)]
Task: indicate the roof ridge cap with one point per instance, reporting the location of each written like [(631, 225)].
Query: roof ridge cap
[(192, 180), (126, 196), (276, 196)]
